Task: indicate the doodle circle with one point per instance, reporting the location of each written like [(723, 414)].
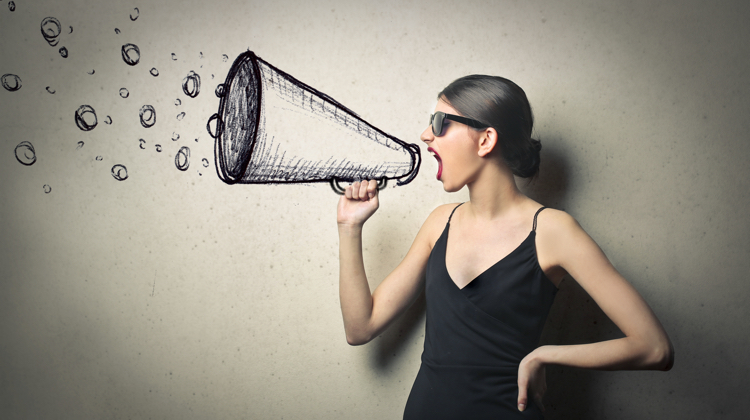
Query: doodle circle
[(175, 136), (191, 84), (137, 13), (71, 30), (180, 116), (49, 90), (131, 54), (108, 120), (63, 52), (99, 158), (148, 116), (158, 148), (177, 102), (154, 72), (124, 93), (12, 6), (91, 72), (224, 58), (205, 162), (174, 57), (117, 31), (142, 143), (25, 153), (220, 91), (51, 29), (85, 118), (214, 126), (80, 144), (11, 82), (182, 158), (47, 189), (120, 172)]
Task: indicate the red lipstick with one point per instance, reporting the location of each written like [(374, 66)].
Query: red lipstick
[(440, 162)]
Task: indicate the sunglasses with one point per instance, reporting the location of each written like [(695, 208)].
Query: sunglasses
[(436, 121)]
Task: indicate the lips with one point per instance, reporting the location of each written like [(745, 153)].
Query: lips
[(440, 162)]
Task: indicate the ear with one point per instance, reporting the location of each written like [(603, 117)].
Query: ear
[(487, 141)]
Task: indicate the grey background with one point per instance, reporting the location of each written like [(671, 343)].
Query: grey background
[(171, 295)]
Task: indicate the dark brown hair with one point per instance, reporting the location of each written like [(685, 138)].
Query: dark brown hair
[(503, 105)]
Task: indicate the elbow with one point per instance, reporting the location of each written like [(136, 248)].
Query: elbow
[(661, 356), (354, 339)]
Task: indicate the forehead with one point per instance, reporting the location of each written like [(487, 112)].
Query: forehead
[(445, 107)]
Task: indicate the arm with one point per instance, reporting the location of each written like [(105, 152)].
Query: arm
[(563, 243), (367, 314)]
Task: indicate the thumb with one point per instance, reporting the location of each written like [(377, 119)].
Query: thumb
[(522, 395)]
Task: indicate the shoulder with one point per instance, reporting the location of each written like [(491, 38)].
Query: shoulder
[(435, 223), (555, 222)]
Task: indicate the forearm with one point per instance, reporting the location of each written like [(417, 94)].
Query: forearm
[(354, 290), (626, 353)]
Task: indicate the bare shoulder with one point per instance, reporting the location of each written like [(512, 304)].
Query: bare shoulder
[(553, 222), (435, 223)]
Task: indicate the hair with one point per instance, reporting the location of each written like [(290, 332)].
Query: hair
[(502, 105)]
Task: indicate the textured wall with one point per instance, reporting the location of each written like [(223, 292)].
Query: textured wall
[(172, 295)]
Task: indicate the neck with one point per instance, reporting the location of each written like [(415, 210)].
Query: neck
[(494, 193)]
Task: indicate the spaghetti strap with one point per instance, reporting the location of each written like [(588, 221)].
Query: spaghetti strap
[(454, 210), (535, 215)]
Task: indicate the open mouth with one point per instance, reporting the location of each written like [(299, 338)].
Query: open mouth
[(440, 162)]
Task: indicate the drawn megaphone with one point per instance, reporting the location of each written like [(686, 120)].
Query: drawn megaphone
[(272, 128)]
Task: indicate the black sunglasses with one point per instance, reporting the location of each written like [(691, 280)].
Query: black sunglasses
[(436, 121)]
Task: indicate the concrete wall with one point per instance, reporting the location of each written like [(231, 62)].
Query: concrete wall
[(172, 295)]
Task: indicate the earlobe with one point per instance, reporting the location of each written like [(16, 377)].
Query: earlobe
[(487, 142)]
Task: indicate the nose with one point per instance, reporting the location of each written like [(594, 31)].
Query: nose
[(427, 135)]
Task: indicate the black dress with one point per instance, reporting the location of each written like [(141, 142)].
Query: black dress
[(475, 337)]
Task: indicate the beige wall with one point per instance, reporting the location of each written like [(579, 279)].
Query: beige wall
[(171, 295)]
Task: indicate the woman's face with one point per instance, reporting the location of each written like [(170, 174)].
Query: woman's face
[(455, 150)]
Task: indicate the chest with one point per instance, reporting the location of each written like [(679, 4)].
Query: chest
[(472, 251)]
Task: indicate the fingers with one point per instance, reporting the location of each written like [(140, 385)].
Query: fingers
[(363, 191), (522, 394)]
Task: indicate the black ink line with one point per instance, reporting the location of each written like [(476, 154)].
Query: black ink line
[(85, 118), (154, 72), (182, 158), (91, 72), (80, 144), (51, 30), (245, 153), (124, 93), (137, 13), (11, 82), (158, 148), (220, 91), (117, 31), (142, 143), (177, 102), (131, 54), (174, 57), (180, 116), (12, 6), (119, 172), (47, 189), (63, 52), (51, 91), (148, 116), (175, 136), (25, 153), (191, 84), (108, 120)]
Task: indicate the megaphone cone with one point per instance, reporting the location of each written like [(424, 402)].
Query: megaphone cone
[(272, 128)]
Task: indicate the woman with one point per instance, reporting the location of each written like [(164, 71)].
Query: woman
[(490, 283)]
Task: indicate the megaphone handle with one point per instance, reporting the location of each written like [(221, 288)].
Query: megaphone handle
[(382, 183)]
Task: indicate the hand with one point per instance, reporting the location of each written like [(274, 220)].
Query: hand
[(359, 202), (532, 379)]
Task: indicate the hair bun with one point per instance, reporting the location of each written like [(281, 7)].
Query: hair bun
[(536, 144)]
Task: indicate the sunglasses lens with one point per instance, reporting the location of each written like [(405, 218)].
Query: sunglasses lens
[(437, 123)]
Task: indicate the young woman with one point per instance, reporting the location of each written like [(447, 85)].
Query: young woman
[(490, 268)]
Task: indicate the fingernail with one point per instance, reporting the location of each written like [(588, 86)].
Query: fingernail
[(521, 407)]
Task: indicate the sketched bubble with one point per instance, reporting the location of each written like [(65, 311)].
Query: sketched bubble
[(220, 91), (25, 153), (124, 93), (70, 31), (175, 136), (99, 158), (52, 91), (191, 84), (12, 6), (80, 144), (180, 116), (205, 162), (182, 158), (154, 72), (131, 54), (224, 58), (148, 116), (85, 118), (117, 31), (177, 102), (196, 140), (214, 126), (174, 57), (63, 52), (91, 72), (51, 29), (142, 143), (158, 148), (47, 189), (108, 120), (137, 13), (120, 172), (11, 82)]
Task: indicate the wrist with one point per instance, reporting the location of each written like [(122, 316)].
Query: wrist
[(350, 228)]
